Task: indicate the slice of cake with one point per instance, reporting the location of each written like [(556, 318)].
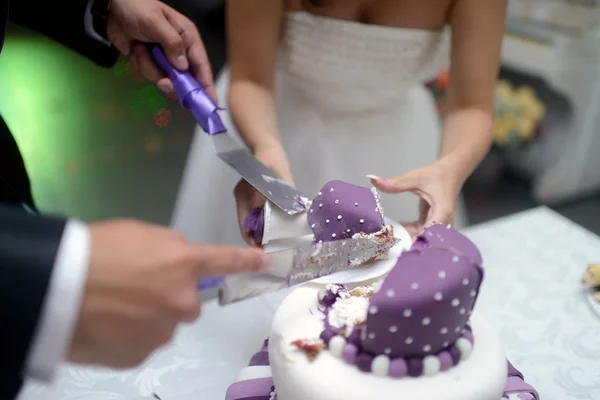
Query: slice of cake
[(339, 211)]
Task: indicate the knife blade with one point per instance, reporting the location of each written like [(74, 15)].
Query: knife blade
[(302, 264), (193, 97)]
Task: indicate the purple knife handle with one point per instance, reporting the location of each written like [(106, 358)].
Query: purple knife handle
[(191, 95), (210, 282)]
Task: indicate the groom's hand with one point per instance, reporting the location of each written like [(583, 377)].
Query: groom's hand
[(142, 282), (134, 22)]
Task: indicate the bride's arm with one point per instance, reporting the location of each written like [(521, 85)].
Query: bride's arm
[(477, 30), (253, 37)]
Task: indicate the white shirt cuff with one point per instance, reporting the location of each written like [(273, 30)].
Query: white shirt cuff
[(60, 311), (89, 25)]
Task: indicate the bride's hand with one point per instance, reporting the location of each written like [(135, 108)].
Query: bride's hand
[(248, 198), (437, 188)]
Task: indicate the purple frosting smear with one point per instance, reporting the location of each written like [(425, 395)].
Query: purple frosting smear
[(254, 223), (342, 210)]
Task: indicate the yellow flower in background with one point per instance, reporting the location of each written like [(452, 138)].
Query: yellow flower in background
[(525, 127), (527, 103), (517, 112), (504, 91), (503, 125)]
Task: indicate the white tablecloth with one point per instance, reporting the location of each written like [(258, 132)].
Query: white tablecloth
[(531, 293)]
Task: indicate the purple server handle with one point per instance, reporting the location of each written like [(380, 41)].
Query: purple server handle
[(191, 95)]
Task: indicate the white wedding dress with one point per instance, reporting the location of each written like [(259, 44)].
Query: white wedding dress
[(350, 102)]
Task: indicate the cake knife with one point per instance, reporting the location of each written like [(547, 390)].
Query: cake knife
[(299, 265), (228, 149)]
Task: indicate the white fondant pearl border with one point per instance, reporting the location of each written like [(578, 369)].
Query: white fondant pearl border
[(465, 348), (336, 345), (381, 365), (431, 365)]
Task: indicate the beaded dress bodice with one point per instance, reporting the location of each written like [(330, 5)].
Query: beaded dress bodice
[(358, 64)]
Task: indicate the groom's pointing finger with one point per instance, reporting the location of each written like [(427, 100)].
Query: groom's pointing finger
[(223, 260)]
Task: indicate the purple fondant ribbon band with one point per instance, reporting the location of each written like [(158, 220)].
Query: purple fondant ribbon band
[(191, 95), (515, 385), (512, 371), (253, 389)]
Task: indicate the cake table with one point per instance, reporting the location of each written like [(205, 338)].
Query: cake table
[(531, 294)]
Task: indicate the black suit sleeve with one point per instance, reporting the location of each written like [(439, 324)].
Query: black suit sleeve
[(28, 248), (63, 21)]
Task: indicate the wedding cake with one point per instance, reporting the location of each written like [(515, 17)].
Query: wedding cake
[(408, 333)]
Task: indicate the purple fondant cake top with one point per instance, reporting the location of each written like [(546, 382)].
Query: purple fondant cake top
[(424, 303), (254, 223), (342, 210), (444, 236)]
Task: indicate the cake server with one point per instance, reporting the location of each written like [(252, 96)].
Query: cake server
[(228, 149), (299, 265)]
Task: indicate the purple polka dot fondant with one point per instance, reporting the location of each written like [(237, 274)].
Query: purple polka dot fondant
[(444, 236), (428, 294), (342, 210), (326, 336), (363, 362), (419, 244), (454, 354), (398, 368), (414, 367), (349, 353), (445, 360)]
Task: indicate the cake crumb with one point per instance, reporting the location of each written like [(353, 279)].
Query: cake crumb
[(362, 291), (310, 347)]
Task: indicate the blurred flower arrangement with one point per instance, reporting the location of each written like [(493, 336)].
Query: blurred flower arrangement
[(518, 112)]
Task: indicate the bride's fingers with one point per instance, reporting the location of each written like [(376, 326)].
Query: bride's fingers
[(409, 182)]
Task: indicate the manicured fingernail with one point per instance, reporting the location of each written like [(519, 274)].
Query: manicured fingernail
[(182, 62), (166, 88), (374, 177)]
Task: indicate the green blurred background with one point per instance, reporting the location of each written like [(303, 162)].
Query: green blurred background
[(97, 143)]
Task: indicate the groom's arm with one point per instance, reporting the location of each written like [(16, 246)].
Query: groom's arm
[(43, 269), (68, 22)]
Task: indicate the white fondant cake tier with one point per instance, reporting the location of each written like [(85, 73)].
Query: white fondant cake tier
[(481, 377)]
